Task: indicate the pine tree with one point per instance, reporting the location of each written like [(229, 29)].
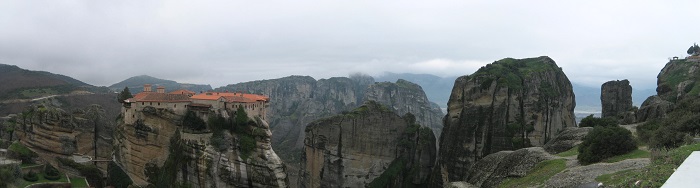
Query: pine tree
[(125, 94)]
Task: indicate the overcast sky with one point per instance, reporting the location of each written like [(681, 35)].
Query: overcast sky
[(225, 42)]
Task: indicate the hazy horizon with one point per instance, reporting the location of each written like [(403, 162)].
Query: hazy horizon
[(227, 42)]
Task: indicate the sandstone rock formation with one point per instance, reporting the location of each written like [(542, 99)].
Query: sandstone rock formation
[(654, 107), (494, 168), (370, 145), (406, 97), (679, 78), (52, 132), (506, 105), (298, 100), (567, 139), (156, 143), (616, 100)]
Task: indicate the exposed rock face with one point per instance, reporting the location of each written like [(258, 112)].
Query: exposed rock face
[(616, 98), (53, 132), (298, 100), (567, 139), (157, 137), (494, 168), (406, 97), (678, 79), (355, 149), (509, 104), (654, 107)]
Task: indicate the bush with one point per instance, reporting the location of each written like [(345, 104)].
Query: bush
[(50, 173), (117, 177), (646, 131), (31, 176), (590, 121), (247, 145), (603, 142), (193, 122), (17, 150)]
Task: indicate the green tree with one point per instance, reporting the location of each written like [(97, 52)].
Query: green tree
[(604, 142), (241, 120), (193, 122), (96, 114), (125, 94), (590, 121), (694, 49), (7, 176)]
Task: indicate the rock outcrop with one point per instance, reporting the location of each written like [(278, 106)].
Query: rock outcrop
[(616, 100), (406, 97), (496, 167), (298, 100), (369, 146), (158, 142), (52, 132), (678, 80), (654, 107), (567, 139), (506, 105)]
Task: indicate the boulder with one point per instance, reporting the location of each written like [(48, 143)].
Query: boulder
[(567, 139), (654, 107)]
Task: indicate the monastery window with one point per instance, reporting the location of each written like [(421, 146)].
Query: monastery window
[(158, 104), (150, 103), (174, 105), (142, 103)]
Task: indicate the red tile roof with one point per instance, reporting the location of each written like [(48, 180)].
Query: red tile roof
[(183, 91), (158, 97), (231, 97)]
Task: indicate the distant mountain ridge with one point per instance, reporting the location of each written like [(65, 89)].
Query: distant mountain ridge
[(18, 83), (136, 83)]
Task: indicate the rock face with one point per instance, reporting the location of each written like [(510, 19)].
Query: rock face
[(298, 100), (678, 80), (157, 141), (53, 132), (370, 145), (654, 107), (406, 97), (506, 105), (616, 98), (494, 168), (567, 139)]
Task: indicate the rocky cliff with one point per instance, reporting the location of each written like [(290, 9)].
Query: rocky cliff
[(616, 100), (506, 105), (369, 146), (406, 97), (679, 79), (299, 100), (157, 149)]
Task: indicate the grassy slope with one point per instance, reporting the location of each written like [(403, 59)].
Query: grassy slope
[(654, 175), (538, 175)]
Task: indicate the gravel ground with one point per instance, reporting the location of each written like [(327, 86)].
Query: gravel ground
[(582, 175)]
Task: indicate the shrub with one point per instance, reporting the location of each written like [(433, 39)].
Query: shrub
[(603, 142), (590, 121), (192, 121), (117, 177), (247, 145), (646, 131), (31, 176), (50, 173), (21, 152)]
